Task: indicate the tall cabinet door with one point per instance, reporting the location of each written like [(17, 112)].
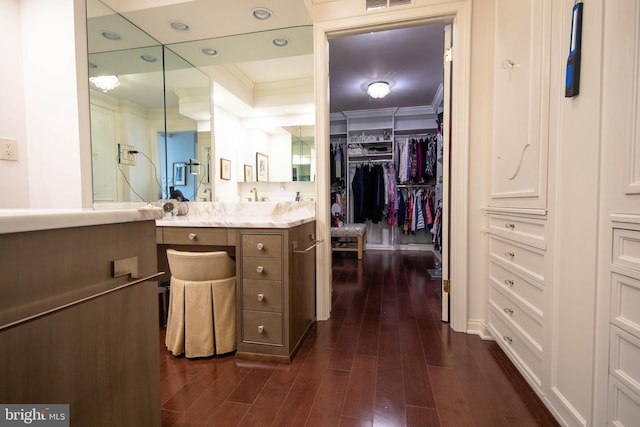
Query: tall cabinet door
[(521, 101), (518, 234), (620, 225)]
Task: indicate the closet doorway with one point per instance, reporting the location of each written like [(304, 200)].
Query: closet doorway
[(389, 153)]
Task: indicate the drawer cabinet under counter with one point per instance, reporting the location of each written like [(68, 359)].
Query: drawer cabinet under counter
[(275, 286), (276, 291)]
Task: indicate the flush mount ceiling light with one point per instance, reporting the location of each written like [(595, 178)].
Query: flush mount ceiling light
[(179, 25), (111, 35), (378, 89), (209, 51), (261, 13), (148, 58), (105, 83), (280, 41)]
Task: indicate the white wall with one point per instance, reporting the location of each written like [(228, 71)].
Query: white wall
[(280, 158), (14, 193), (481, 92), (47, 104)]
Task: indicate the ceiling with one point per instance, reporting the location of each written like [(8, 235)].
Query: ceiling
[(410, 59)]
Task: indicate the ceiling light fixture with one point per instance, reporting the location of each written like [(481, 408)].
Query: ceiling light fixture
[(179, 26), (105, 83), (378, 89), (209, 51), (148, 58), (261, 13), (280, 41)]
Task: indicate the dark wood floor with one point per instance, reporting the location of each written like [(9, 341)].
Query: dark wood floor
[(383, 359)]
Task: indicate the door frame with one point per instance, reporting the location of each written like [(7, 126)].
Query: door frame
[(459, 13)]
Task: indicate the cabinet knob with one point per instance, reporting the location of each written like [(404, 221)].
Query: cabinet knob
[(508, 310), (260, 246), (510, 254), (260, 269), (260, 297), (260, 329), (192, 236), (509, 64), (508, 282), (507, 339), (510, 226)]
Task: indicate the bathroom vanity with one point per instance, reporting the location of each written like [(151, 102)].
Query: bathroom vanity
[(274, 248), (78, 313)]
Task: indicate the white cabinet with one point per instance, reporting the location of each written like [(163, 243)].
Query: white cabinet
[(521, 103), (517, 255), (619, 282)]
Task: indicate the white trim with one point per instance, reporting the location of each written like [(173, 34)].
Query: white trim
[(460, 14)]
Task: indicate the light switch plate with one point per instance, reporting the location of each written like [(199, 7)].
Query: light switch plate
[(8, 149)]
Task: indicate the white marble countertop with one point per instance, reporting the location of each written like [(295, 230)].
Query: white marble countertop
[(242, 215), (20, 220)]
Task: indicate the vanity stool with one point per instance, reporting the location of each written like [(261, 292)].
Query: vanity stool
[(202, 303), (356, 231)]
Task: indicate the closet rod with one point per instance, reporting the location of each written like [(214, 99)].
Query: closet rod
[(361, 162), (416, 185)]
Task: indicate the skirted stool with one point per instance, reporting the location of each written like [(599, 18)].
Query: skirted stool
[(202, 303)]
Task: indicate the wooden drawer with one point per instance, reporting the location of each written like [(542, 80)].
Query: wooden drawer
[(525, 230), (528, 321), (521, 351), (263, 295), (262, 327), (524, 259), (195, 236), (529, 291), (262, 268), (261, 245)]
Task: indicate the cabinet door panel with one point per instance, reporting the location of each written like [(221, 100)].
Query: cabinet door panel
[(521, 97)]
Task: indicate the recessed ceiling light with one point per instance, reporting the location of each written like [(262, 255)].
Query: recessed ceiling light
[(209, 51), (280, 41), (179, 26), (261, 13), (92, 65), (111, 35), (148, 58)]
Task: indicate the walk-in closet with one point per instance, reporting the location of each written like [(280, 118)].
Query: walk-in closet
[(386, 151)]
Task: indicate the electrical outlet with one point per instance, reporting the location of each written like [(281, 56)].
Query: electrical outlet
[(8, 149), (125, 155)]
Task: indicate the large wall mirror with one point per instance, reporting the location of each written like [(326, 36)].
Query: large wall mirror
[(197, 123)]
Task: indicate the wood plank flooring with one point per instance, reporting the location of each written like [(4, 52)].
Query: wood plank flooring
[(383, 359)]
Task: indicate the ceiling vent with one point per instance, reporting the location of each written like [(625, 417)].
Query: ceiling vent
[(381, 4)]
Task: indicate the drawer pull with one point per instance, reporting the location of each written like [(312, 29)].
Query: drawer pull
[(510, 254), (260, 329), (510, 226), (508, 310), (192, 236), (260, 269), (507, 339), (260, 246), (260, 297), (508, 282)]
